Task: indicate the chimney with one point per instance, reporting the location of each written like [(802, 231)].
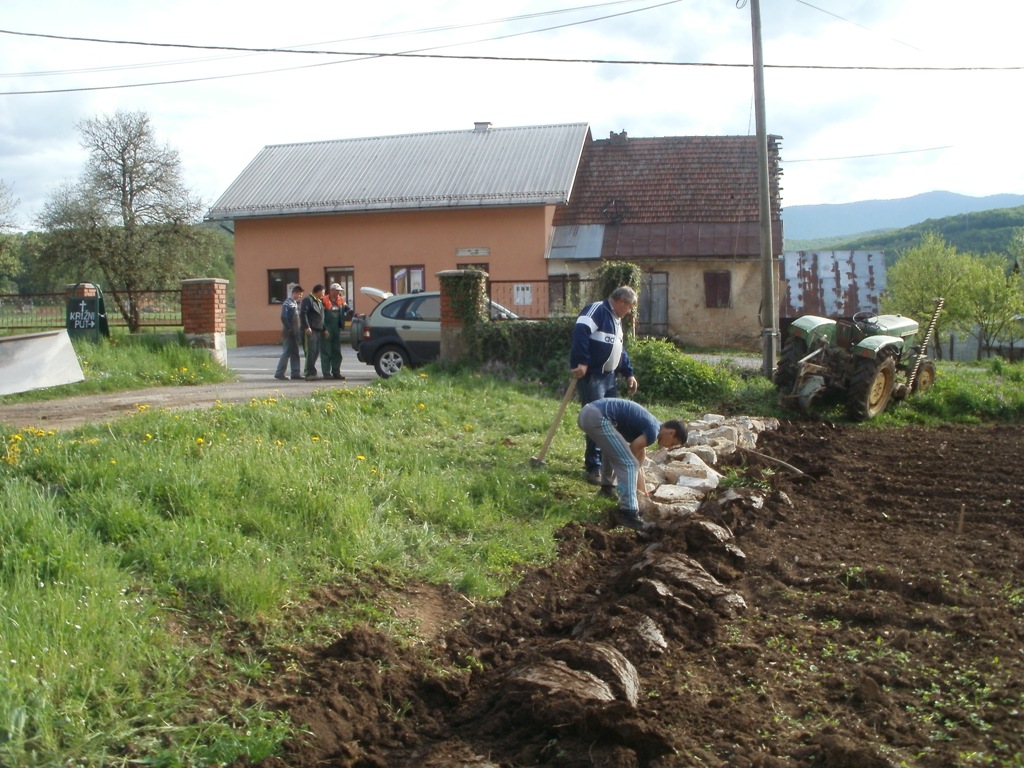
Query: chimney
[(481, 127), (617, 138)]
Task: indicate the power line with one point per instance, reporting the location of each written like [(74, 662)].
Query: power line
[(859, 157), (362, 55), (854, 23), (295, 48)]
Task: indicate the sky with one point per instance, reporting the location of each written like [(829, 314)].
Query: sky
[(873, 100)]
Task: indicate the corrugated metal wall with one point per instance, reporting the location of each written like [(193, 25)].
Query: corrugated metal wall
[(831, 283)]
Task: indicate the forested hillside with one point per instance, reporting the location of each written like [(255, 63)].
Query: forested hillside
[(982, 232)]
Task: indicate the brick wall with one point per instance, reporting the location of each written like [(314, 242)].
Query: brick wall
[(204, 305)]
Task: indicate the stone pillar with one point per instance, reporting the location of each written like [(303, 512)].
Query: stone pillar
[(204, 311), (462, 302)]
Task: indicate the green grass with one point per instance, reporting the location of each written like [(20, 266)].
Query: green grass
[(117, 540)]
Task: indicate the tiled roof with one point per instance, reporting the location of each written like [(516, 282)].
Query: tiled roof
[(672, 179), (674, 196), (532, 165)]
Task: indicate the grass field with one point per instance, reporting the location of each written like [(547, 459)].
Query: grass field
[(123, 547)]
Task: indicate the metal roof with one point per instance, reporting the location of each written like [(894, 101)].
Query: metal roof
[(531, 165)]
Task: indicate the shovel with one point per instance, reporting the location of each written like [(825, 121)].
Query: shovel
[(538, 460)]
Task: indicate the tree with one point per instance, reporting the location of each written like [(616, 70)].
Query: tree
[(920, 275), (10, 264), (983, 298), (999, 303), (128, 223)]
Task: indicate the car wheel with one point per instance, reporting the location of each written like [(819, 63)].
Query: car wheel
[(389, 361)]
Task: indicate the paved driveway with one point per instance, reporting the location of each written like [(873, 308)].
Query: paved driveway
[(254, 364)]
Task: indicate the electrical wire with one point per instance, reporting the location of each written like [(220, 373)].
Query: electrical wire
[(295, 48)]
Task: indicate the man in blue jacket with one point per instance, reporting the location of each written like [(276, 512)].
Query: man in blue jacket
[(624, 429), (291, 335), (596, 358)]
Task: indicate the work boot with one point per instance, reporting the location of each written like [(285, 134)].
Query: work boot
[(594, 476), (629, 518)]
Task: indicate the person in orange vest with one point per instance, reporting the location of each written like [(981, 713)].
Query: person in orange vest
[(336, 312)]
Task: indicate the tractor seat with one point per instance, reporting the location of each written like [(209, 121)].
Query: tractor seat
[(848, 333)]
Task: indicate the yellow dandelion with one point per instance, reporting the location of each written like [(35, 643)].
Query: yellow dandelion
[(361, 458), (422, 406), (315, 438), (113, 461), (199, 441)]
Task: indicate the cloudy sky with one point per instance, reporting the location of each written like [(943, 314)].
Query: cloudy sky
[(873, 99)]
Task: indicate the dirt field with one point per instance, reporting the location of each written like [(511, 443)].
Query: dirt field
[(883, 626)]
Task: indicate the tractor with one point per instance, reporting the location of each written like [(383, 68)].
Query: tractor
[(856, 361)]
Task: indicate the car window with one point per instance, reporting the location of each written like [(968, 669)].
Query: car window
[(424, 308), (395, 309)]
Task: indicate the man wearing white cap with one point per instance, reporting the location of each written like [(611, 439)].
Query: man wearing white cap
[(336, 312)]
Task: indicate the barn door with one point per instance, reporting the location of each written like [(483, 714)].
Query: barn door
[(653, 319)]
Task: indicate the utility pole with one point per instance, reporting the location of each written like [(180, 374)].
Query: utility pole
[(769, 315)]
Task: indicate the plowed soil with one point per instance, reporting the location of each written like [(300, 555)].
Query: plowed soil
[(883, 626)]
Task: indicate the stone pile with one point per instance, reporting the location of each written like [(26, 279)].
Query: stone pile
[(596, 670)]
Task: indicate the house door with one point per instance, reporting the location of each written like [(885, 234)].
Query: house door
[(653, 319)]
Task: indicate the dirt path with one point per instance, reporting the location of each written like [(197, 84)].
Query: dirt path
[(253, 366)]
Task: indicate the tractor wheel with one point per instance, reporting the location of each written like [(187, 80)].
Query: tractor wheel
[(925, 377), (793, 351), (870, 388)]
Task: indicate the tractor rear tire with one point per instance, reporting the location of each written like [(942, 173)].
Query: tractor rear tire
[(871, 387), (925, 377), (793, 351)]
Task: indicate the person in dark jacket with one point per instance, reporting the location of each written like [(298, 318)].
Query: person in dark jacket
[(311, 314), (597, 358), (291, 335)]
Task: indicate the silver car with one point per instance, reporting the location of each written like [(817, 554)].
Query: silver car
[(404, 330)]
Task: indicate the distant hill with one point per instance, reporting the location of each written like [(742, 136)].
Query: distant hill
[(849, 220), (980, 232)]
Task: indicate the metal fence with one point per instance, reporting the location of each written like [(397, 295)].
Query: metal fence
[(45, 311), (540, 299)]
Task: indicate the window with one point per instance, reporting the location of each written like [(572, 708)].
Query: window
[(427, 307), (407, 279), (718, 289), (279, 284)]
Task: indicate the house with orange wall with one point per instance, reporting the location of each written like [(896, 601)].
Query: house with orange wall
[(524, 204), (391, 212)]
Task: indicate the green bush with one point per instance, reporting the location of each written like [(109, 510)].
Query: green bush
[(666, 375), (526, 345)]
